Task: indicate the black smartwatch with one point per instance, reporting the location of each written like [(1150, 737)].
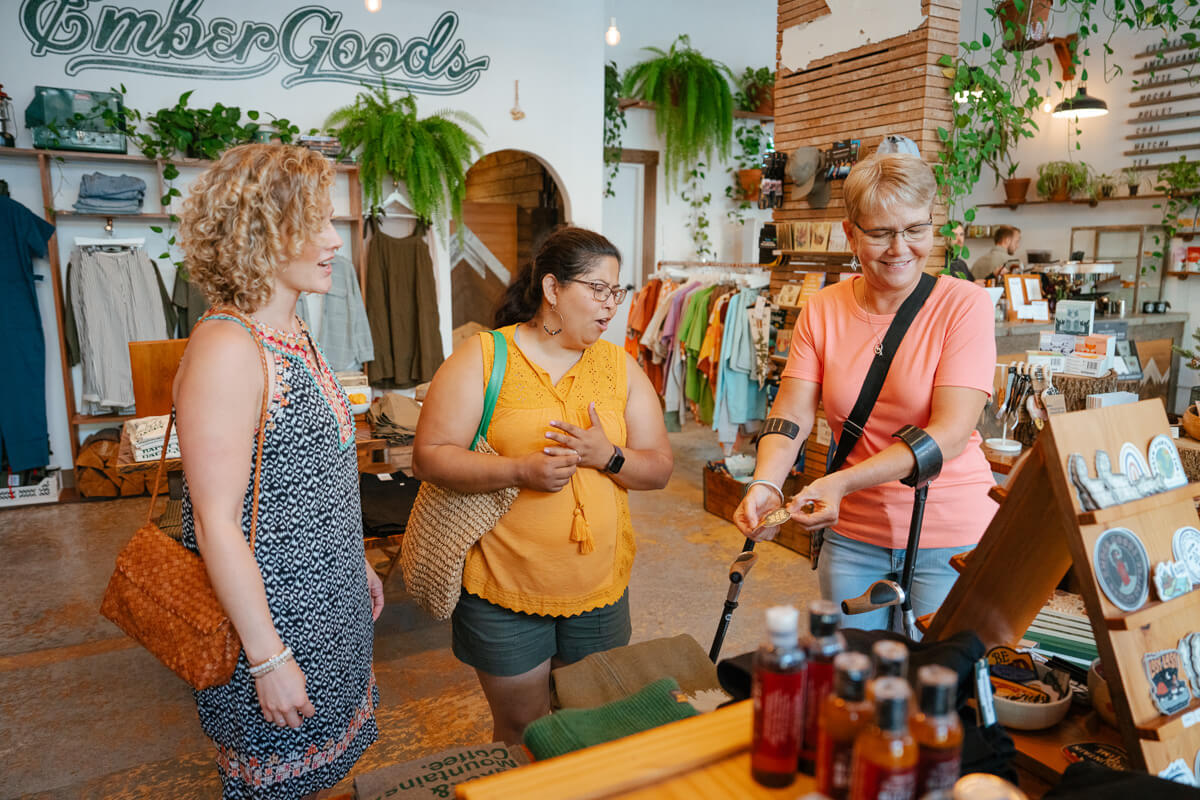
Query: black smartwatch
[(616, 462)]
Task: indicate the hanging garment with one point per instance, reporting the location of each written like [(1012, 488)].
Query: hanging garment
[(23, 432), (345, 332), (190, 301), (116, 301), (71, 327), (738, 398), (402, 309)]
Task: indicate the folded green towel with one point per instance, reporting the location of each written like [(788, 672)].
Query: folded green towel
[(576, 728)]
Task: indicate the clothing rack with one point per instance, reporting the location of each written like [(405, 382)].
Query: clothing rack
[(717, 264)]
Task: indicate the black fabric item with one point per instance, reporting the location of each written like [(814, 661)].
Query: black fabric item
[(386, 504), (1089, 781), (988, 750)]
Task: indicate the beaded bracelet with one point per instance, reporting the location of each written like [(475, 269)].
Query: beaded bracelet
[(766, 482), (271, 664)]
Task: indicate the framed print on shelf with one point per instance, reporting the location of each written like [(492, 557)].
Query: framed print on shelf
[(789, 293), (1014, 291)]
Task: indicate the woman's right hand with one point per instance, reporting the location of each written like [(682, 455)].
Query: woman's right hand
[(759, 500), (548, 470), (283, 696)]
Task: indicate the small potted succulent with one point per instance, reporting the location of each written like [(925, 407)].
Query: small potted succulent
[(1132, 178), (1104, 185), (756, 91), (1058, 180)]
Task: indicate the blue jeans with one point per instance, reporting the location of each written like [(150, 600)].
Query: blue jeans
[(847, 567)]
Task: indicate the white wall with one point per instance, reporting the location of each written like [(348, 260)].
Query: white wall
[(739, 36), (555, 49)]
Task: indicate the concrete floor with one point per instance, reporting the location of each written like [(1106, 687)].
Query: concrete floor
[(86, 713)]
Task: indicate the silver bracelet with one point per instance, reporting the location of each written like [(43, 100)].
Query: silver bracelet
[(271, 664), (766, 482)]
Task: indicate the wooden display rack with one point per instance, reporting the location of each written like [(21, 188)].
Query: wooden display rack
[(1039, 532)]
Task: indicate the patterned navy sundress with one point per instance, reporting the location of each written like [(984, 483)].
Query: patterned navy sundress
[(309, 549)]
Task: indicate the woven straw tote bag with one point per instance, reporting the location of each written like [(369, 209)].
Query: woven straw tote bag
[(444, 523), (160, 593)]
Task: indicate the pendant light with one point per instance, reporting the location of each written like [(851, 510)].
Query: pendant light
[(373, 5), (1081, 105), (612, 35)]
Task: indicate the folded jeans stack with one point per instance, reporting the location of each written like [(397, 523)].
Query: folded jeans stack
[(110, 194), (146, 438), (394, 418)]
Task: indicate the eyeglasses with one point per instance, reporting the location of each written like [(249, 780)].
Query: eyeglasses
[(602, 291), (882, 237)]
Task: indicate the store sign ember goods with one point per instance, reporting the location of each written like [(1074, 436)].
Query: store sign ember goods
[(99, 35)]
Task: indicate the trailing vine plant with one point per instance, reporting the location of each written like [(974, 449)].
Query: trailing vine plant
[(697, 200), (614, 125)]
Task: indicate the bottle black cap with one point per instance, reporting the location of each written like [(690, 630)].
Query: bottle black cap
[(851, 671), (938, 687), (823, 618), (891, 703), (890, 659)]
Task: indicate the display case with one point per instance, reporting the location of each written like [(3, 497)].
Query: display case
[(1139, 273)]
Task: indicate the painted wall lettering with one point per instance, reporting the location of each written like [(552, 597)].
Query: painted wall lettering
[(309, 40)]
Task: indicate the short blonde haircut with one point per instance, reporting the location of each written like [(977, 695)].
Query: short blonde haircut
[(248, 215), (887, 181)]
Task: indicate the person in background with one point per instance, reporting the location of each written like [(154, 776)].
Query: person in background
[(257, 231), (1006, 239), (954, 264), (939, 380), (577, 426)]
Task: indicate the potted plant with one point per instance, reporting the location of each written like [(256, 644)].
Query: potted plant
[(1104, 185), (693, 104), (614, 125), (753, 142), (1132, 178), (430, 156), (1058, 180), (756, 91), (1179, 181), (1024, 23)]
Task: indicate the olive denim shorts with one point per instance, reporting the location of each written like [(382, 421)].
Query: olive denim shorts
[(501, 642)]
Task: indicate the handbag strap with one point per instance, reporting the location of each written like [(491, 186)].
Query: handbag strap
[(495, 380), (855, 424), (262, 427)]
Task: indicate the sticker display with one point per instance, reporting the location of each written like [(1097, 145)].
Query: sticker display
[(1110, 755), (1122, 568), (1189, 651), (1185, 546), (1011, 665), (1179, 771), (1025, 693), (1164, 461), (1171, 580), (1133, 463), (1168, 688), (1117, 483)]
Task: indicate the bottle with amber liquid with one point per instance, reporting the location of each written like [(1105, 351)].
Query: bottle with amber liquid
[(885, 752), (822, 645), (937, 729), (889, 659), (778, 693), (845, 712)]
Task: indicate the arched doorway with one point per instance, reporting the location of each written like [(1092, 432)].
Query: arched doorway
[(512, 200)]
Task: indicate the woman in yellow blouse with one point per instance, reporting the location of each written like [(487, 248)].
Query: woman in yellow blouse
[(577, 424)]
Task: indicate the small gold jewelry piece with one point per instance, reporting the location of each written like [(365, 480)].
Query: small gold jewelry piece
[(773, 518)]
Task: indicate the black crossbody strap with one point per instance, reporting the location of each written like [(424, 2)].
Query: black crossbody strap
[(856, 423)]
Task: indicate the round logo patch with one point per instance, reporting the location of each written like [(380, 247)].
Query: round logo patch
[(1122, 568), (1185, 547), (1164, 461)]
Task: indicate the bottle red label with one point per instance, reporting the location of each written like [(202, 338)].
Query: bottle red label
[(875, 782), (938, 769), (820, 684), (778, 710), (835, 760)]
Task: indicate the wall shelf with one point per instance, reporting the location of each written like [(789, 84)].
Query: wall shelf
[(1163, 100), (1148, 120), (1176, 149), (1157, 134), (1164, 66), (85, 155), (1151, 86), (625, 103), (1080, 202)]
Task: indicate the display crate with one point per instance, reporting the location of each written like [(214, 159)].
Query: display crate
[(45, 492)]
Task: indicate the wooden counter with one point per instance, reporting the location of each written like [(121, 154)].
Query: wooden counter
[(701, 757)]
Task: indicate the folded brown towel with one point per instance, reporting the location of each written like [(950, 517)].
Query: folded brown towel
[(614, 674)]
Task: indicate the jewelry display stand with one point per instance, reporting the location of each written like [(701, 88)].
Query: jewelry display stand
[(1040, 531)]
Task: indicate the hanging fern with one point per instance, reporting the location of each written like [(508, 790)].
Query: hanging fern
[(429, 156), (693, 104)]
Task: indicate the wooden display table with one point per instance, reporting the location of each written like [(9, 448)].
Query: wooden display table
[(1040, 752), (703, 757)]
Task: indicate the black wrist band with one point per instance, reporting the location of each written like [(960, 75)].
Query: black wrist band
[(616, 462), (781, 426), (926, 452)]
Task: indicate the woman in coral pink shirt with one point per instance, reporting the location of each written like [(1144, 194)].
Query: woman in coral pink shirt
[(939, 380)]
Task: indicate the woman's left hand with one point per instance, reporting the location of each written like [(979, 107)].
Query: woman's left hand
[(375, 587), (824, 497), (593, 447)]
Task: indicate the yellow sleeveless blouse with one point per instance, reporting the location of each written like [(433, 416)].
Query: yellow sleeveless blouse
[(566, 552)]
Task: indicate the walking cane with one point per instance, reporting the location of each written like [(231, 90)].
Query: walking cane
[(886, 592)]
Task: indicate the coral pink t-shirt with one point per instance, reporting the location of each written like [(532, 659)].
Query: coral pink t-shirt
[(951, 342)]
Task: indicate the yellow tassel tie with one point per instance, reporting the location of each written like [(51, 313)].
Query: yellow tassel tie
[(580, 532)]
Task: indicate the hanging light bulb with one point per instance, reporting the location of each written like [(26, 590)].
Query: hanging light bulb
[(612, 35), (1047, 106), (1081, 105), (373, 5)]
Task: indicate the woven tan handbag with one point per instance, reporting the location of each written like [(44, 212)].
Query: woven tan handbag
[(444, 524), (160, 594)]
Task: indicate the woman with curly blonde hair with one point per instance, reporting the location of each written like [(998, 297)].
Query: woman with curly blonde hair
[(257, 231)]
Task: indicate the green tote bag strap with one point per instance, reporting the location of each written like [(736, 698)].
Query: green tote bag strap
[(499, 363)]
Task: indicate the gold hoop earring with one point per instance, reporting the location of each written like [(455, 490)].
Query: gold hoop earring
[(561, 322)]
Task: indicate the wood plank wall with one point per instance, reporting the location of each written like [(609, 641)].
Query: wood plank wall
[(892, 87)]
